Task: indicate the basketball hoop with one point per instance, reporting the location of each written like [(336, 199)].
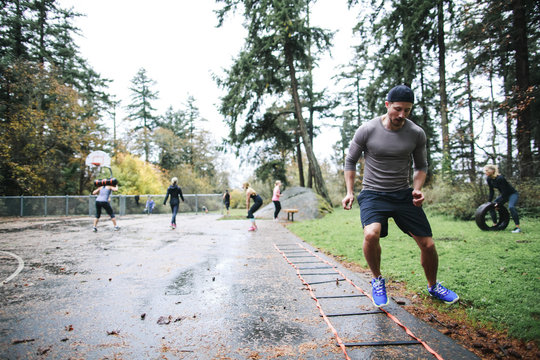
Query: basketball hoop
[(97, 161), (98, 158)]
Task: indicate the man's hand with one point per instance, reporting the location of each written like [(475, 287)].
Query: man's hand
[(348, 201), (418, 198)]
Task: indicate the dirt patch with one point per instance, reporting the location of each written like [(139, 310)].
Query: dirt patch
[(484, 341)]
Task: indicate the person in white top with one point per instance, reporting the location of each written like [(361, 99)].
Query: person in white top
[(103, 202)]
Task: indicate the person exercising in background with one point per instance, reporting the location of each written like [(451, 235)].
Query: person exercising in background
[(149, 206), (275, 199), (174, 192), (388, 144), (257, 202), (508, 193), (227, 200), (103, 202)]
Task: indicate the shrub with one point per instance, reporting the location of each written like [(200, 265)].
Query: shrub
[(529, 198), (238, 199), (457, 199)]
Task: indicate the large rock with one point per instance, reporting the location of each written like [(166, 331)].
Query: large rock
[(309, 204)]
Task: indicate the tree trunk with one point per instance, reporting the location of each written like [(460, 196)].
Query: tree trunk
[(446, 164), (299, 159), (425, 120), (509, 133), (310, 132), (509, 149), (18, 47), (523, 126), (310, 99), (42, 20), (358, 100), (320, 186), (472, 167)]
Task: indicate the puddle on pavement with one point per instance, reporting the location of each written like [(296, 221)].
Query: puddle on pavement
[(182, 284)]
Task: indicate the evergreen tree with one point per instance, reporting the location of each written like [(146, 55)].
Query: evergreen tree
[(141, 110), (276, 49)]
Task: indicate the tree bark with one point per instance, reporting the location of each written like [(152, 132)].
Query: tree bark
[(425, 119), (523, 126), (310, 99), (320, 186), (472, 167), (299, 159), (446, 166)]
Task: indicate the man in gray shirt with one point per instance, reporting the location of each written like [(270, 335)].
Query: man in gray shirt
[(389, 143)]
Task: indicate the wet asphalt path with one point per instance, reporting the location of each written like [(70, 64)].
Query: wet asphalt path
[(207, 290)]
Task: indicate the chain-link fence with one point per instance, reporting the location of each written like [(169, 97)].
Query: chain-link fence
[(122, 205)]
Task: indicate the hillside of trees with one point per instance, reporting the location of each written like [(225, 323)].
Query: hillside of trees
[(473, 65)]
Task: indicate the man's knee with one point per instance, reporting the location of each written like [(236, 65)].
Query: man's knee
[(425, 243), (372, 233)]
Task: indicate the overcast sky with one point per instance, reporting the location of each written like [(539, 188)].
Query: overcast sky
[(178, 44)]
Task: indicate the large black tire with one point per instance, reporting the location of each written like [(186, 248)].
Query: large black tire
[(503, 217)]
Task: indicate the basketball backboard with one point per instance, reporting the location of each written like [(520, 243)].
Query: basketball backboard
[(98, 158)]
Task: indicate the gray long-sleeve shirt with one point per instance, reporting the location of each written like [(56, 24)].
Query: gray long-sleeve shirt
[(387, 154)]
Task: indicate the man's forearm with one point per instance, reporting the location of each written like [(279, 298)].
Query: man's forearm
[(419, 178), (349, 181)]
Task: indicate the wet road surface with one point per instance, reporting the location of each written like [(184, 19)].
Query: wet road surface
[(207, 290)]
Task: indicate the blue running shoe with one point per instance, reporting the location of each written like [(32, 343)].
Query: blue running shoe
[(378, 292), (445, 295)]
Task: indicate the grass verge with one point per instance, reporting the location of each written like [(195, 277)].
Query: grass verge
[(496, 274)]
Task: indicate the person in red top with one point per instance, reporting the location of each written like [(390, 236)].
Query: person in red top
[(275, 199)]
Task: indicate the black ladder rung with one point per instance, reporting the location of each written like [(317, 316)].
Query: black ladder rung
[(318, 267), (383, 343), (300, 256), (304, 274), (308, 262), (340, 296), (325, 282), (356, 314)]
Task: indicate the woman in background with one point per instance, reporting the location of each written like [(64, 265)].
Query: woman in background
[(257, 202), (275, 199), (507, 193), (174, 192)]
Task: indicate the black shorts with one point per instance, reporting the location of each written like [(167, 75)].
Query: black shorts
[(377, 207), (104, 205)]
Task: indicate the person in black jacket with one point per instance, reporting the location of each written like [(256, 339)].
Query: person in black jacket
[(507, 193), (174, 191), (227, 200)]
